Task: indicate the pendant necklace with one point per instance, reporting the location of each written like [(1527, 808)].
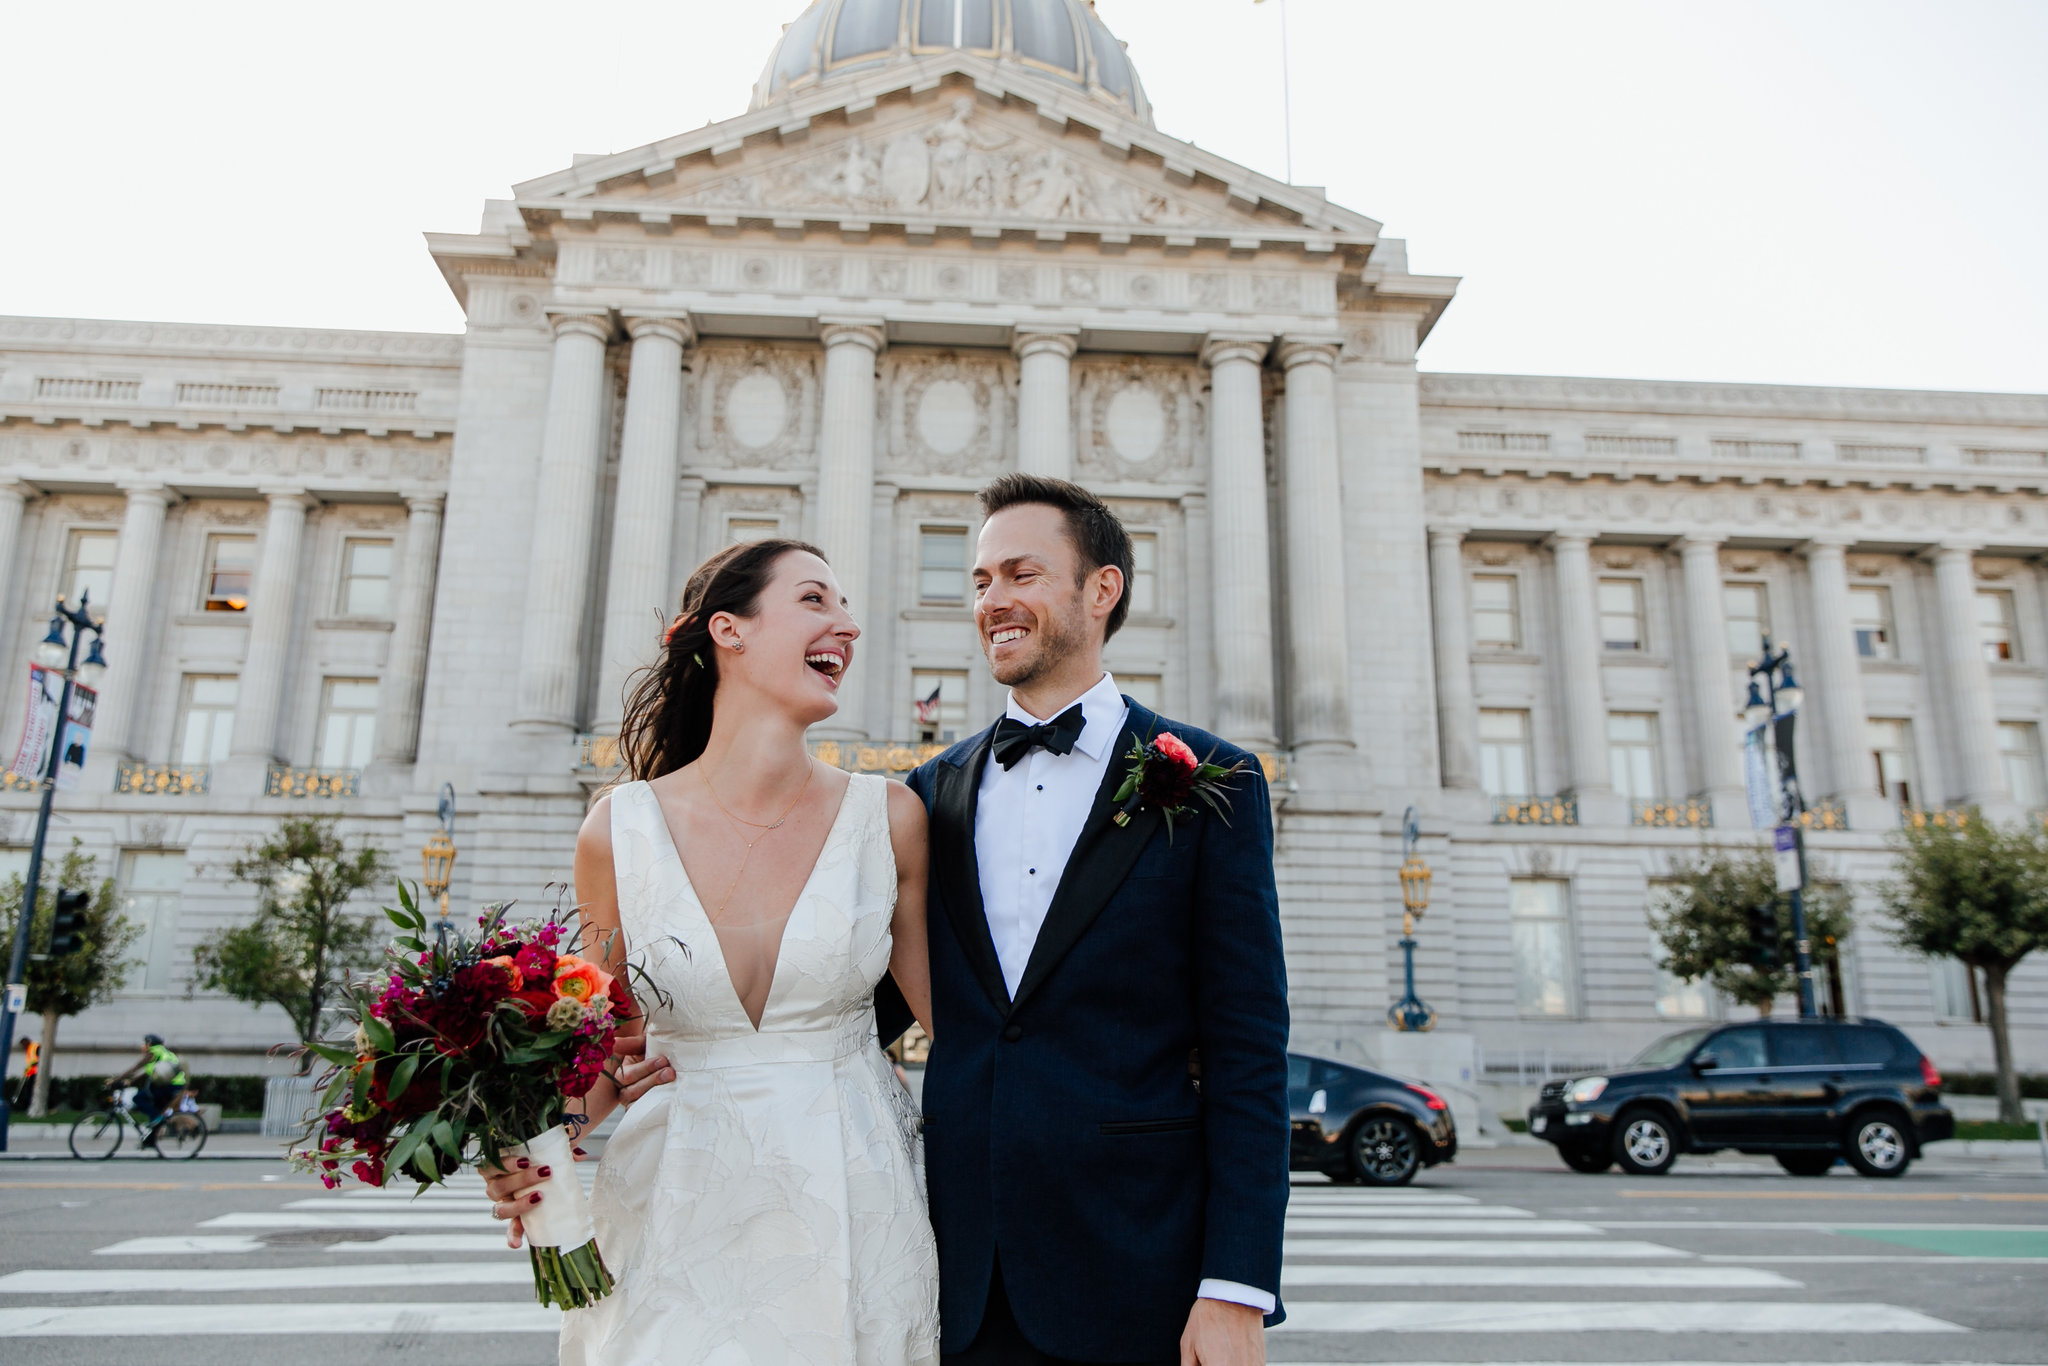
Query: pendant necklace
[(737, 821)]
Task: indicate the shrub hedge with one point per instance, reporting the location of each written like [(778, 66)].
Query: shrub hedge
[(235, 1095), (2033, 1085)]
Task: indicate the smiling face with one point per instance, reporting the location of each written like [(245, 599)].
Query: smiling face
[(1039, 614), (797, 645)]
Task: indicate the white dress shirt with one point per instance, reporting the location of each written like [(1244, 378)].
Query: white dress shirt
[(1027, 821)]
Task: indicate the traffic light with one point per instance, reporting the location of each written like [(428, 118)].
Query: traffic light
[(1763, 937), (67, 926)]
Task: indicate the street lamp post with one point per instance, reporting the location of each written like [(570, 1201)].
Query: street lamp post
[(55, 650), (1409, 1014), (1774, 697), (438, 858)]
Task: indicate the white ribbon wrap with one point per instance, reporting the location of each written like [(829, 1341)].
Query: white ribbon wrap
[(562, 1218)]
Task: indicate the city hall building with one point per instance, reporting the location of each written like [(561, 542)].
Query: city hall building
[(341, 570)]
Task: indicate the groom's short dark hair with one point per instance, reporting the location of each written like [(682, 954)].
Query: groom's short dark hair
[(1096, 532)]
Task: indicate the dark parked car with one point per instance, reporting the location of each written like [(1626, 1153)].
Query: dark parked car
[(1356, 1125), (1804, 1091)]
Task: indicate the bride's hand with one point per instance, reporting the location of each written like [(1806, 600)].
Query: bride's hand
[(510, 1189)]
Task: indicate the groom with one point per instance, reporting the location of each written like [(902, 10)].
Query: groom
[(1105, 1115)]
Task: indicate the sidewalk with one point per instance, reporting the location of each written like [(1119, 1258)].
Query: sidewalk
[(1984, 1157)]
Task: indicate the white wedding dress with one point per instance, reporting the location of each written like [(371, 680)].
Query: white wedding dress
[(768, 1206)]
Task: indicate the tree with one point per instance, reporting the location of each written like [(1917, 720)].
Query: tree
[(1703, 921), (90, 974), (305, 943), (1977, 892)]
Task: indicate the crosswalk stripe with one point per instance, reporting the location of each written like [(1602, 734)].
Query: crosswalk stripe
[(1594, 1277), (1524, 1227), (181, 1243), (1409, 1212), (352, 1320), (1465, 1248), (427, 1242), (420, 1221), (1354, 1199), (1637, 1316), (198, 1281)]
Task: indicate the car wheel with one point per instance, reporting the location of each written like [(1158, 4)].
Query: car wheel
[(1878, 1145), (1806, 1164), (1644, 1143), (1588, 1160), (1384, 1151)]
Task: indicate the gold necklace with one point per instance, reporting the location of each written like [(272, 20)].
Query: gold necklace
[(737, 821)]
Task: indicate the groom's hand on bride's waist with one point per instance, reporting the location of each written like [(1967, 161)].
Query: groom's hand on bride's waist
[(1221, 1333)]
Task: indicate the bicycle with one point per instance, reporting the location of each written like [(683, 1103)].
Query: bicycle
[(179, 1133)]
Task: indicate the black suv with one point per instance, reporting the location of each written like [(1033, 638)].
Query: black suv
[(1804, 1091), (1357, 1125)]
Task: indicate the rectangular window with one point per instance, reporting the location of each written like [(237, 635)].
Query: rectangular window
[(2019, 749), (366, 578), (151, 883), (89, 569), (1142, 689), (1542, 946), (230, 570), (1870, 617), (1632, 754), (1997, 625), (938, 704), (1621, 615), (1891, 742), (1748, 609), (1677, 1000), (348, 722), (740, 530), (1505, 762), (1955, 991), (942, 565), (1496, 612), (207, 725), (1144, 574)]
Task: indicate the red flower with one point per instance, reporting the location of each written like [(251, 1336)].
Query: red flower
[(1172, 747), (621, 998), (511, 967), (1169, 778), (536, 962)]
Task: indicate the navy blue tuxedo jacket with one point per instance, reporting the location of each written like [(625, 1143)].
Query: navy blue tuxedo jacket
[(1066, 1128)]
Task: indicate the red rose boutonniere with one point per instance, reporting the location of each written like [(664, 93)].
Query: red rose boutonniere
[(1165, 773)]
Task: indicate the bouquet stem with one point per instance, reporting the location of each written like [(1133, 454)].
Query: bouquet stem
[(568, 1271), (575, 1278)]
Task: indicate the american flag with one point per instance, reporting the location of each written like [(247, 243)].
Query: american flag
[(928, 709)]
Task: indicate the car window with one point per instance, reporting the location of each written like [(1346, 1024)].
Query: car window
[(1866, 1045), (1297, 1073), (1738, 1048), (1803, 1046), (1669, 1050)]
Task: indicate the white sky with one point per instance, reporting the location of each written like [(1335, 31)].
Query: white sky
[(1803, 191)]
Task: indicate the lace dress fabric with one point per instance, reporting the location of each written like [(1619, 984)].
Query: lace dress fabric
[(767, 1207)]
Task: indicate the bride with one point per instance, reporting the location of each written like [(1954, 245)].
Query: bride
[(764, 1202)]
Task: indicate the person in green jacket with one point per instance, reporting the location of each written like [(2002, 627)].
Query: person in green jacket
[(160, 1076)]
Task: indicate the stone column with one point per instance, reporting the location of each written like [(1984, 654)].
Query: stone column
[(261, 694), (846, 479), (1584, 704), (1045, 417), (405, 673), (1319, 645), (558, 572), (1977, 776), (14, 496), (1240, 560), (1713, 709), (685, 554), (131, 610), (643, 520), (1457, 706), (1835, 709)]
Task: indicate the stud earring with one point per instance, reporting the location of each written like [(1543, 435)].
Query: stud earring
[(739, 647)]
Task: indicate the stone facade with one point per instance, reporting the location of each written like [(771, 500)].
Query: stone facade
[(840, 313)]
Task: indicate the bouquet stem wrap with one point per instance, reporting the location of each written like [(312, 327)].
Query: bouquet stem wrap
[(561, 1237)]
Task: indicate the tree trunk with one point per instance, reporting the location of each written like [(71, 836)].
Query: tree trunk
[(1763, 1007), (39, 1105), (2009, 1111)]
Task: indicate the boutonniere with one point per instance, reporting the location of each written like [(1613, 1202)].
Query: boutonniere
[(1165, 773)]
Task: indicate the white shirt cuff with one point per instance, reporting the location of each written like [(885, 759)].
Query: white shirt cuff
[(1233, 1293)]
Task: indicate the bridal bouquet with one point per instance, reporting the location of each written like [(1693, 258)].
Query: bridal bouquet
[(473, 1049)]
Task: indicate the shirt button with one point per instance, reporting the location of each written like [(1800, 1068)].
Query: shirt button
[(1032, 871), (1012, 1033), (1041, 787)]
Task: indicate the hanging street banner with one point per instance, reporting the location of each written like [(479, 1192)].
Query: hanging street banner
[(1785, 855), (1760, 778), (32, 755)]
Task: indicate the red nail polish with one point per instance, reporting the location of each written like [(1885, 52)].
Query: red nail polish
[(524, 1164), (533, 1199), (545, 1173)]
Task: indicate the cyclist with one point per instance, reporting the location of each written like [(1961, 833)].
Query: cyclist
[(162, 1075)]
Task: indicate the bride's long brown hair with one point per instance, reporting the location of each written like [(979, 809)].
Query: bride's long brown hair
[(668, 714)]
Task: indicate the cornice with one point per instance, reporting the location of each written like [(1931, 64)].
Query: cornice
[(1680, 398), (98, 336)]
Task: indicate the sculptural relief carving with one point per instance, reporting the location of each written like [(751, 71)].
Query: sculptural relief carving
[(950, 415), (760, 408), (1078, 286), (821, 272), (1209, 290), (1139, 418), (1276, 291), (1016, 282), (619, 265), (689, 267), (887, 277), (1142, 289)]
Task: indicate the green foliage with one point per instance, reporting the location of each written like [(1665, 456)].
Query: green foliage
[(1702, 921), (96, 970), (235, 1095), (305, 943)]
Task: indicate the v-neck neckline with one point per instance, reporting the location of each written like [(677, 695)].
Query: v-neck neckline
[(724, 963)]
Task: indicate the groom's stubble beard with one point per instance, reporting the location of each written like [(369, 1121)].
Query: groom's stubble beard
[(1058, 639)]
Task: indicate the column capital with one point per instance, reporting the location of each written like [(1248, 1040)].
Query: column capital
[(694, 484), (1582, 540), (425, 500), (276, 494), (1700, 540), (1038, 341), (1454, 532), (148, 490), (1308, 349), (678, 329), (1219, 347), (866, 332), (18, 489), (1826, 541), (1953, 548), (596, 325)]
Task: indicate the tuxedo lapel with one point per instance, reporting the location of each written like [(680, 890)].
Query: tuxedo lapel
[(955, 792), (1103, 857)]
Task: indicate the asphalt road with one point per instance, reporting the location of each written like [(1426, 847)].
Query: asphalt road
[(1504, 1257)]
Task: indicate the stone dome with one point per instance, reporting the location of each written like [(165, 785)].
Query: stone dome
[(1062, 40)]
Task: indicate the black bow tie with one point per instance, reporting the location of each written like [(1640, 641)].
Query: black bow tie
[(1014, 739)]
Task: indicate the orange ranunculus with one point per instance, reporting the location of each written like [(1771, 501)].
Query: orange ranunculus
[(579, 979), (506, 962)]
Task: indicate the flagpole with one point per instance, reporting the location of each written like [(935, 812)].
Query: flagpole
[(1286, 92)]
